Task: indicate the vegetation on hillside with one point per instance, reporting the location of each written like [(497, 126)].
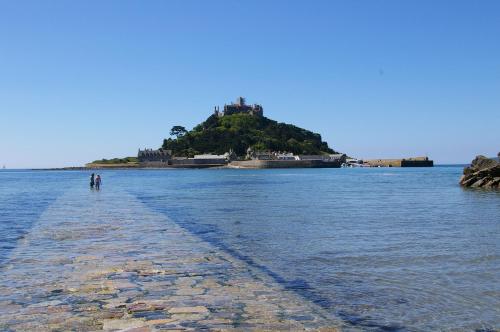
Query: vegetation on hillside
[(113, 161), (241, 131)]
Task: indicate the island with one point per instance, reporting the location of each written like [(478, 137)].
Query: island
[(240, 136)]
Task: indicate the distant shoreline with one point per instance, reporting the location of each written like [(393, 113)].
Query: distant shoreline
[(83, 168)]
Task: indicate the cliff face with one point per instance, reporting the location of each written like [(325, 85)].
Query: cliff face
[(482, 173)]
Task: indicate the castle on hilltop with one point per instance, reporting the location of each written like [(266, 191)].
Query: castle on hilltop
[(240, 106)]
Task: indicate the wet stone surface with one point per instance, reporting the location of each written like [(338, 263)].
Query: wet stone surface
[(104, 261)]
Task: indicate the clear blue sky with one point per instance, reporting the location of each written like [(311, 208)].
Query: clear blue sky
[(91, 79)]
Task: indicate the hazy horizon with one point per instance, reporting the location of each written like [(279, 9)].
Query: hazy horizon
[(377, 79)]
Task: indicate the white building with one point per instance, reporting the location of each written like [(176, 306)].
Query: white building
[(286, 156), (210, 156)]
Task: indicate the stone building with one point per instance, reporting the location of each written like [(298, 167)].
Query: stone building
[(163, 158), (240, 106), (149, 155)]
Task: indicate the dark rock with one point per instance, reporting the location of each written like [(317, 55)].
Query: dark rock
[(150, 315), (479, 183), (481, 162), (482, 173)]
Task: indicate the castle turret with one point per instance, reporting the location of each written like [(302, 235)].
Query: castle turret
[(240, 106), (240, 101)]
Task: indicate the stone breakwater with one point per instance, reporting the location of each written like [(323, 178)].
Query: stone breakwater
[(104, 261), (482, 173)]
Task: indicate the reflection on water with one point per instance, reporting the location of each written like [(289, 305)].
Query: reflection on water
[(381, 248)]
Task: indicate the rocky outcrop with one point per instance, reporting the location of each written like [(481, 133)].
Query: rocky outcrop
[(482, 173)]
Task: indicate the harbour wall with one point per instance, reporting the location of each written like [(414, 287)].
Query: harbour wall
[(184, 163), (411, 162), (285, 164)]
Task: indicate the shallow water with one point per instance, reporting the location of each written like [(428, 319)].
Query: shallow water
[(381, 249)]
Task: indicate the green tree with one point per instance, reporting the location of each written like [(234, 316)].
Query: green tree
[(178, 131)]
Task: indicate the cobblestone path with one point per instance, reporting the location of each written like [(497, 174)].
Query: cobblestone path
[(105, 261)]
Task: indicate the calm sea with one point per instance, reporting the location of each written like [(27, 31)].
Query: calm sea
[(382, 248)]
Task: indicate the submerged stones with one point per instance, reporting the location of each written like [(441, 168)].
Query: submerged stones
[(122, 324), (189, 310), (482, 173), (135, 278)]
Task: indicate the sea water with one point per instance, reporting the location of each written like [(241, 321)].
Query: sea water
[(381, 248)]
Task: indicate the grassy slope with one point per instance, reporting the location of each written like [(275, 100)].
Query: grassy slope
[(115, 162)]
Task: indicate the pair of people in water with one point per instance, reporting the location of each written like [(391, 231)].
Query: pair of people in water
[(95, 180)]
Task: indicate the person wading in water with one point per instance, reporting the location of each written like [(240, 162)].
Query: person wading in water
[(98, 182), (92, 181)]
